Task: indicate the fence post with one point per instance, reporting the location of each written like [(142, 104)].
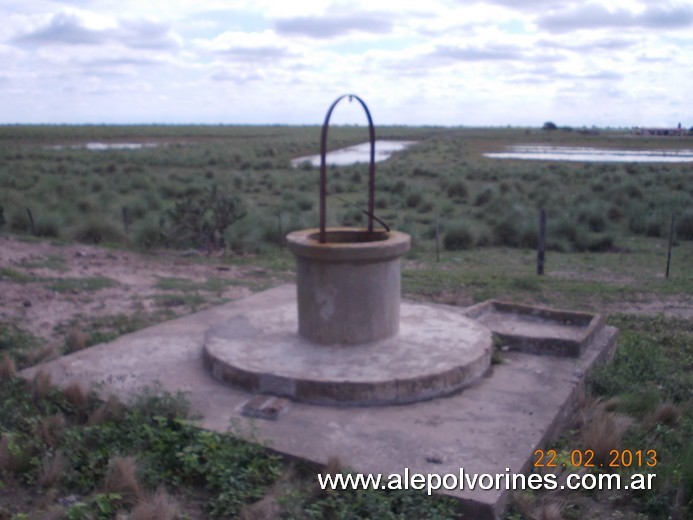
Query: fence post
[(31, 221), (671, 241), (541, 248), (437, 237), (126, 220)]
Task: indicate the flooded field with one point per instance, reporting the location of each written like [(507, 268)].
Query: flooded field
[(358, 153), (98, 147), (583, 154)]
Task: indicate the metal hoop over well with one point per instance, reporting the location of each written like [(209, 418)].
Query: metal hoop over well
[(323, 166)]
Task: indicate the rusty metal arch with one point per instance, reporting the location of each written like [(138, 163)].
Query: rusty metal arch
[(323, 165)]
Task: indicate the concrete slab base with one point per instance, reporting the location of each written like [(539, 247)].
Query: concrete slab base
[(491, 427), (437, 351)]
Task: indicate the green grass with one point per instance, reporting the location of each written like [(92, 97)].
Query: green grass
[(221, 471), (650, 381), (12, 275), (607, 238), (212, 284), (589, 206), (572, 280), (190, 301), (107, 328), (80, 284), (51, 262)]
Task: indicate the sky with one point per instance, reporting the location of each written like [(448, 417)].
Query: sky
[(618, 63)]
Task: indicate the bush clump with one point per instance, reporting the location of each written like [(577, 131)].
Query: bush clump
[(457, 189), (98, 232), (458, 237), (684, 226)]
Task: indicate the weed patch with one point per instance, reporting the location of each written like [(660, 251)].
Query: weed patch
[(80, 284)]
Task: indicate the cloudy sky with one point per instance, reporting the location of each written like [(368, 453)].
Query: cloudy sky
[(449, 62)]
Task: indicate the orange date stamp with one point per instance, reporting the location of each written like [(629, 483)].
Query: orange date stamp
[(586, 459)]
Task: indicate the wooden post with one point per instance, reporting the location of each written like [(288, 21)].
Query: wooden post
[(437, 237), (541, 248), (31, 221), (126, 220), (671, 241)]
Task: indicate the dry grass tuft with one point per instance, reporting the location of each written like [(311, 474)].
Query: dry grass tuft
[(333, 466), (108, 411), (549, 511), (39, 355), (76, 340), (121, 478), (41, 385), (7, 368), (264, 509), (76, 396), (665, 413), (602, 431), (547, 507), (50, 429), (160, 506), (52, 469), (268, 508), (54, 513)]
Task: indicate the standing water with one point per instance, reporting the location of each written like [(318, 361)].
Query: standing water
[(357, 153), (568, 153)]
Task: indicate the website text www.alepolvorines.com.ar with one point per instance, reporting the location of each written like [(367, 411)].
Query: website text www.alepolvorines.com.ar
[(485, 481)]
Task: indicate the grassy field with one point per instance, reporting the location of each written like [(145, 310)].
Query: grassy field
[(234, 186), (231, 189)]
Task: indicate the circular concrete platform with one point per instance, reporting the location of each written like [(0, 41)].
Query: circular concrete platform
[(438, 351)]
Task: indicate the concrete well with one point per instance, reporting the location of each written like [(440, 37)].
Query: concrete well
[(349, 287)]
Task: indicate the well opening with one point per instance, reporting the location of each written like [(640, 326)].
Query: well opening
[(350, 236)]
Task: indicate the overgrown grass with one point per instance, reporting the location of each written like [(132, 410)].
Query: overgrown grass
[(109, 456), (646, 397), (188, 191)]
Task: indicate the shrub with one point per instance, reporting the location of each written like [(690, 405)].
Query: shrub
[(97, 232), (484, 196), (457, 189), (19, 221), (414, 199), (458, 237), (614, 213), (202, 220), (149, 235), (684, 226), (49, 225), (353, 217), (506, 233), (597, 243)]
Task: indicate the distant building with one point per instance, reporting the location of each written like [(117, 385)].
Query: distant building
[(678, 131)]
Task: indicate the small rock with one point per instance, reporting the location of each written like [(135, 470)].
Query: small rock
[(26, 303), (434, 459), (69, 500)]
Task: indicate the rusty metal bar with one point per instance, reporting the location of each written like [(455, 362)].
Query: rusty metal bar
[(323, 166)]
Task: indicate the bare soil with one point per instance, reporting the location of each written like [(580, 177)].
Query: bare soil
[(30, 270)]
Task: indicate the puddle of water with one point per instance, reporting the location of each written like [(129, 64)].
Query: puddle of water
[(97, 147), (355, 154), (567, 153)]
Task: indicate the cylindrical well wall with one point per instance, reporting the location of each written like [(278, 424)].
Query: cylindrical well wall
[(349, 289)]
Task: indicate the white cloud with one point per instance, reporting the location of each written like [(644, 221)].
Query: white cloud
[(446, 61)]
